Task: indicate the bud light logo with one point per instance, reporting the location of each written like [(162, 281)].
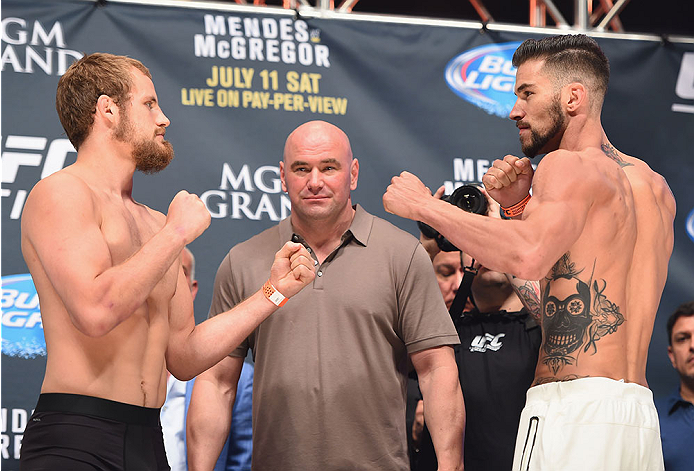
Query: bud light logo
[(22, 329), (484, 76), (690, 225)]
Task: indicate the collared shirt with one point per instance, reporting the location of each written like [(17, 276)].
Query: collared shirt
[(331, 364), (677, 431)]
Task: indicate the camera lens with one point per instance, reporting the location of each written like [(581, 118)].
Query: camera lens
[(469, 198)]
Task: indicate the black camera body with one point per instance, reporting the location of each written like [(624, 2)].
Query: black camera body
[(468, 198)]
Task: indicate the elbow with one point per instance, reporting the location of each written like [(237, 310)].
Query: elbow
[(531, 265), (178, 367), (94, 329), (99, 318), (182, 375), (92, 323)]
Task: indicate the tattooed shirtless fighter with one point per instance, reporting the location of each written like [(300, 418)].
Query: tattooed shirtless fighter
[(598, 235), (116, 307)]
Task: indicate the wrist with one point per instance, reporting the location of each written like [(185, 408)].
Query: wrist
[(175, 235), (514, 210), (273, 295)]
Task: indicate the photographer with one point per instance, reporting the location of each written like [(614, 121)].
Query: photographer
[(496, 357)]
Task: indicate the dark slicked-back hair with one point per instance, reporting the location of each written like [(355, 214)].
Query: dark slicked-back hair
[(569, 58), (684, 310), (84, 82)]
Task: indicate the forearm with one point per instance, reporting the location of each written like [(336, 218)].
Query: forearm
[(207, 423), (444, 414), (191, 353), (507, 246), (117, 292), (529, 294), (485, 239)]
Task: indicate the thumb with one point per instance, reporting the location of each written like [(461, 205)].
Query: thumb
[(288, 249), (524, 166)]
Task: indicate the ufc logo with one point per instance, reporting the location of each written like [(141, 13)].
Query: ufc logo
[(28, 151), (482, 343)]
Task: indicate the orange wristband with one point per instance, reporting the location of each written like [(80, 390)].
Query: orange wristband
[(516, 209), (273, 295)]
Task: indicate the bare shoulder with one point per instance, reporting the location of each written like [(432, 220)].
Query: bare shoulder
[(60, 186), (647, 183), (59, 194), (567, 171), (565, 163)]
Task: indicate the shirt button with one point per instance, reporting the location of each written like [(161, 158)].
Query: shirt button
[(320, 273), (315, 262), (295, 238)]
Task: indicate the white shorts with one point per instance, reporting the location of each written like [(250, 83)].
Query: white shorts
[(589, 424)]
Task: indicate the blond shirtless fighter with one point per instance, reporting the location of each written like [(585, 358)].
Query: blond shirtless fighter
[(116, 309), (598, 234)]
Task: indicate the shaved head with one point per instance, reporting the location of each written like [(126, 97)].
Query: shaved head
[(315, 134)]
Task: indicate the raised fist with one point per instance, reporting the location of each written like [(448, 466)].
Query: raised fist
[(405, 195), (188, 215), (292, 269), (508, 180)]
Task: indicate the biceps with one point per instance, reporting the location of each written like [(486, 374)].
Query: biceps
[(181, 313), (427, 361), (70, 248)]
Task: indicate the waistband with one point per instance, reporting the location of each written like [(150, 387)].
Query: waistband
[(98, 407), (589, 388)]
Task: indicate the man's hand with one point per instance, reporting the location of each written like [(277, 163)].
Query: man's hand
[(292, 269), (188, 215), (492, 205), (508, 181), (418, 423), (405, 194)]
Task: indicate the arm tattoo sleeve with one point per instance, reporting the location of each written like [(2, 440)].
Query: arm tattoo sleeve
[(529, 294)]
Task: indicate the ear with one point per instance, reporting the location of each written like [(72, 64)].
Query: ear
[(671, 356), (282, 178), (194, 289), (107, 109), (576, 97), (354, 174)]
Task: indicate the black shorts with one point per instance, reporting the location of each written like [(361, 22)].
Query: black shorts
[(74, 433)]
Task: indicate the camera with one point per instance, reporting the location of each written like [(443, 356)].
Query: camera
[(468, 198)]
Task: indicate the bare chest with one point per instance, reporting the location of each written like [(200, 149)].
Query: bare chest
[(126, 228)]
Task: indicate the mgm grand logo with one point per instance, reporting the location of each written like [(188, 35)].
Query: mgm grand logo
[(247, 194)]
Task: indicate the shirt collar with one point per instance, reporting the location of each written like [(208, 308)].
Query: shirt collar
[(360, 228), (674, 401)]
